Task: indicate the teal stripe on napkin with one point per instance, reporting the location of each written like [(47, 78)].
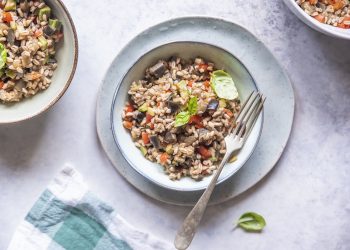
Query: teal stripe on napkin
[(75, 228)]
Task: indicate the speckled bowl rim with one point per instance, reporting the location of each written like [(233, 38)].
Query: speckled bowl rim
[(112, 115), (316, 25), (71, 75)]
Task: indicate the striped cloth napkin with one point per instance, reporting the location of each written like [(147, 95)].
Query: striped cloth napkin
[(68, 216)]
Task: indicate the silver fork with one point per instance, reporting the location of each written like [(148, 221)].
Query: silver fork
[(242, 127)]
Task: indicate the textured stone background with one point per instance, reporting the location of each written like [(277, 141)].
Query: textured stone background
[(305, 199)]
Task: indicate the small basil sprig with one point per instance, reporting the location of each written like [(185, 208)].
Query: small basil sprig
[(251, 221), (183, 117), (192, 107)]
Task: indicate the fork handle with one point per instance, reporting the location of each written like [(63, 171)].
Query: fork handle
[(186, 232)]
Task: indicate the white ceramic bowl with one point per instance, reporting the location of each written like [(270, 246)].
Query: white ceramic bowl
[(313, 23), (222, 60), (67, 57)]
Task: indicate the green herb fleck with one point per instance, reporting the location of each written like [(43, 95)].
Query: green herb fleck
[(193, 105), (3, 56)]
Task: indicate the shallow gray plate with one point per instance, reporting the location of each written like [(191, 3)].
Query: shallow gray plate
[(272, 81)]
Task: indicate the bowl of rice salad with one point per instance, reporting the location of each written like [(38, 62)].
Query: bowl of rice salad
[(38, 56), (331, 17), (173, 109)]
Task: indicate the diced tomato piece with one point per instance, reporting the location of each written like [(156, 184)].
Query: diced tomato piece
[(337, 5), (163, 158), (7, 17), (320, 18), (1, 84), (148, 118), (204, 152), (228, 112), (190, 83), (151, 126), (313, 2), (127, 124), (38, 33), (197, 121), (129, 108), (203, 66), (145, 138), (343, 25), (207, 84)]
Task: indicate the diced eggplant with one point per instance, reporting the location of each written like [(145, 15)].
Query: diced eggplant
[(10, 37), (140, 116), (48, 31), (158, 69), (173, 106), (170, 137), (20, 85), (155, 141), (212, 105), (186, 164), (24, 6), (190, 139), (52, 60)]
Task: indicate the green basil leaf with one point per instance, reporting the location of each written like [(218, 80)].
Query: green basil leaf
[(251, 221), (193, 105), (182, 118), (223, 85), (3, 56)]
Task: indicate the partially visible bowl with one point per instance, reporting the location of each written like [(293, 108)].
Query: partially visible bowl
[(67, 58), (187, 50), (313, 23)]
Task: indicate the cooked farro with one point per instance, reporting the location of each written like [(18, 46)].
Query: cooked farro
[(332, 12), (28, 35), (177, 119)]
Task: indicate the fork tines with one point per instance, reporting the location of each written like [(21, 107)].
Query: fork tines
[(248, 114)]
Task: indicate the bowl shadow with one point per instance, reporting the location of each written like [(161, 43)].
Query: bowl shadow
[(20, 141)]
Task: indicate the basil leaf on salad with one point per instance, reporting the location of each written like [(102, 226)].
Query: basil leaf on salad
[(182, 118), (3, 55), (251, 221), (193, 105), (223, 85)]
